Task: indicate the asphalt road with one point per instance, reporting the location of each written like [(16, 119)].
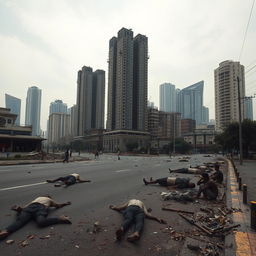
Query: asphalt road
[(113, 182)]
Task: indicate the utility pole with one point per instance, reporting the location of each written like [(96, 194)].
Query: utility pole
[(240, 123)]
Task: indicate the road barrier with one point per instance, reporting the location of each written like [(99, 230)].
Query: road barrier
[(244, 193), (240, 183), (253, 215)]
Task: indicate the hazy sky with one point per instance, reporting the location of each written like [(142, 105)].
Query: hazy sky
[(44, 43)]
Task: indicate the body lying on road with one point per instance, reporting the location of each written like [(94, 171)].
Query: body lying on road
[(190, 170), (171, 181), (37, 210), (134, 211), (68, 180)]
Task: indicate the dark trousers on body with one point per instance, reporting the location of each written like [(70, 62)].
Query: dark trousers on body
[(69, 180), (133, 214), (182, 170), (35, 211)]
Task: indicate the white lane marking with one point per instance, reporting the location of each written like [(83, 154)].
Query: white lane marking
[(125, 170), (23, 186)]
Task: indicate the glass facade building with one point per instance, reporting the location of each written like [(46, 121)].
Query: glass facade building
[(14, 104)]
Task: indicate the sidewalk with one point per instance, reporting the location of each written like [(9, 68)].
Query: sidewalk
[(24, 162), (243, 241), (247, 172)]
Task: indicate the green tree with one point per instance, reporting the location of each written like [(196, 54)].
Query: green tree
[(181, 146), (229, 138)]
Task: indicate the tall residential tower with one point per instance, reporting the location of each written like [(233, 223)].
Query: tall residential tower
[(167, 97), (229, 80), (90, 100), (127, 82)]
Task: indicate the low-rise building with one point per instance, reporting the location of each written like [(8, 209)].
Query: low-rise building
[(202, 139), (16, 138), (123, 139)]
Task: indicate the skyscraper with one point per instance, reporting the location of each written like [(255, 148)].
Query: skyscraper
[(191, 102), (13, 103), (167, 97), (58, 106), (205, 115), (127, 82), (33, 109), (90, 100), (73, 120), (98, 99), (59, 127), (226, 92), (248, 108)]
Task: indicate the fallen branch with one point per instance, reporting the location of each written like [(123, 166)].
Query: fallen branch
[(175, 210), (192, 222)]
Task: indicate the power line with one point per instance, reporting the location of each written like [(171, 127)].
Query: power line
[(252, 63), (245, 34), (250, 69)]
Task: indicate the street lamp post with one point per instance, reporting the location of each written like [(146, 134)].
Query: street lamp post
[(240, 123)]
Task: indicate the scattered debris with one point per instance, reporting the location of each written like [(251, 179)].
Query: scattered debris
[(9, 242), (24, 243), (178, 196), (96, 227), (77, 246), (175, 210), (45, 237), (192, 222)]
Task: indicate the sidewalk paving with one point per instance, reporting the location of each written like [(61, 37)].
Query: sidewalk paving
[(247, 172), (243, 241)]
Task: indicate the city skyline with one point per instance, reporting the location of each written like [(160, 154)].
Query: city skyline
[(188, 54)]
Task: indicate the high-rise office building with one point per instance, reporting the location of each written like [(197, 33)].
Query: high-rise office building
[(33, 109), (178, 107), (248, 108), (191, 102), (127, 82), (169, 125), (90, 100), (153, 121), (226, 78), (13, 104), (167, 94), (205, 115), (58, 106), (73, 121), (58, 127)]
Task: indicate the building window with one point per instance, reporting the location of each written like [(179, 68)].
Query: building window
[(9, 121)]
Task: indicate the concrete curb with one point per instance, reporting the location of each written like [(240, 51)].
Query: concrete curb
[(243, 241), (27, 162)]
